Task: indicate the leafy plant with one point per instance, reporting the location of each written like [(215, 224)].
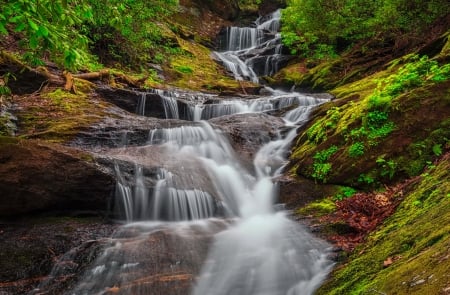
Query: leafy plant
[(344, 192), (321, 168), (318, 132), (49, 27), (367, 179), (184, 69), (356, 149), (437, 149), (388, 168), (416, 72)]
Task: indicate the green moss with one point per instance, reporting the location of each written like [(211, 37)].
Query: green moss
[(196, 70), (318, 208), (411, 239), (59, 115)]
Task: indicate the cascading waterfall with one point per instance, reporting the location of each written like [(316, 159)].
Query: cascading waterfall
[(229, 209), (251, 52)]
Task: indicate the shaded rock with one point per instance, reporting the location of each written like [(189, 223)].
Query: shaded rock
[(30, 247), (128, 267), (297, 192), (227, 10), (37, 176), (248, 132), (120, 130), (268, 6), (25, 81)]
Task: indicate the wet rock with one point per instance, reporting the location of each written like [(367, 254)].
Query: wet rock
[(297, 192), (30, 247), (248, 132), (119, 130), (128, 267), (37, 176)]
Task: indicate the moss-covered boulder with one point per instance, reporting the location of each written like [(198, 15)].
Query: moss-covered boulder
[(355, 143), (409, 253)]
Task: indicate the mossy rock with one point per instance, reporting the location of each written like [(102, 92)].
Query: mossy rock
[(196, 70), (59, 115), (409, 253), (420, 117)]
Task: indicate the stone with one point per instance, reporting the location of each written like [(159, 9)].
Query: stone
[(37, 176)]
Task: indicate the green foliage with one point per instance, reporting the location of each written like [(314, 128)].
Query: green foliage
[(356, 149), (366, 179), (49, 27), (320, 27), (437, 149), (388, 168), (318, 132), (415, 73), (375, 125), (321, 168), (344, 192), (130, 32)]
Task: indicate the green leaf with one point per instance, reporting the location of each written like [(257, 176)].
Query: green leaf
[(33, 42), (33, 25), (20, 27), (43, 31), (3, 29), (15, 19)]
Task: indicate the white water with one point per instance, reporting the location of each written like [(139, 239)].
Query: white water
[(254, 248), (246, 47)]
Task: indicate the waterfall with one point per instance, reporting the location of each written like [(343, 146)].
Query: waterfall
[(252, 52), (201, 221)]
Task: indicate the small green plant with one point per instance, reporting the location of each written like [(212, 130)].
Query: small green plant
[(321, 168), (417, 72), (437, 149), (356, 149), (344, 192), (388, 168), (366, 179), (317, 133)]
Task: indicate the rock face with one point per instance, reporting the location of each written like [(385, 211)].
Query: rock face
[(36, 176), (170, 267), (228, 9), (248, 132), (30, 247)]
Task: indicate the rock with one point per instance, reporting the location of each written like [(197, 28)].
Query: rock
[(248, 132), (297, 192), (37, 176), (227, 10), (268, 6), (128, 267), (30, 247)]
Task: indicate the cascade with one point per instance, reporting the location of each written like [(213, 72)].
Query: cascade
[(215, 231), (252, 52)]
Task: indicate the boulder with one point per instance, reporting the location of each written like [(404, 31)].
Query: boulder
[(37, 176), (248, 132)]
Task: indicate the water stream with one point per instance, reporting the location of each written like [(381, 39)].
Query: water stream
[(206, 223)]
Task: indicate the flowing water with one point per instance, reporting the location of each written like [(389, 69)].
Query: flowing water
[(206, 223)]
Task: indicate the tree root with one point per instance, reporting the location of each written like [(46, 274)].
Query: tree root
[(9, 63)]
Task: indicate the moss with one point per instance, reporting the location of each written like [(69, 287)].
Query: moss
[(411, 239), (197, 71), (404, 134), (318, 208), (58, 115)]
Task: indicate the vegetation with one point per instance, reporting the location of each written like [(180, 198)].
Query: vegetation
[(70, 32), (317, 29)]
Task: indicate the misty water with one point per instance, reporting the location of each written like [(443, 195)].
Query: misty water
[(203, 222)]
